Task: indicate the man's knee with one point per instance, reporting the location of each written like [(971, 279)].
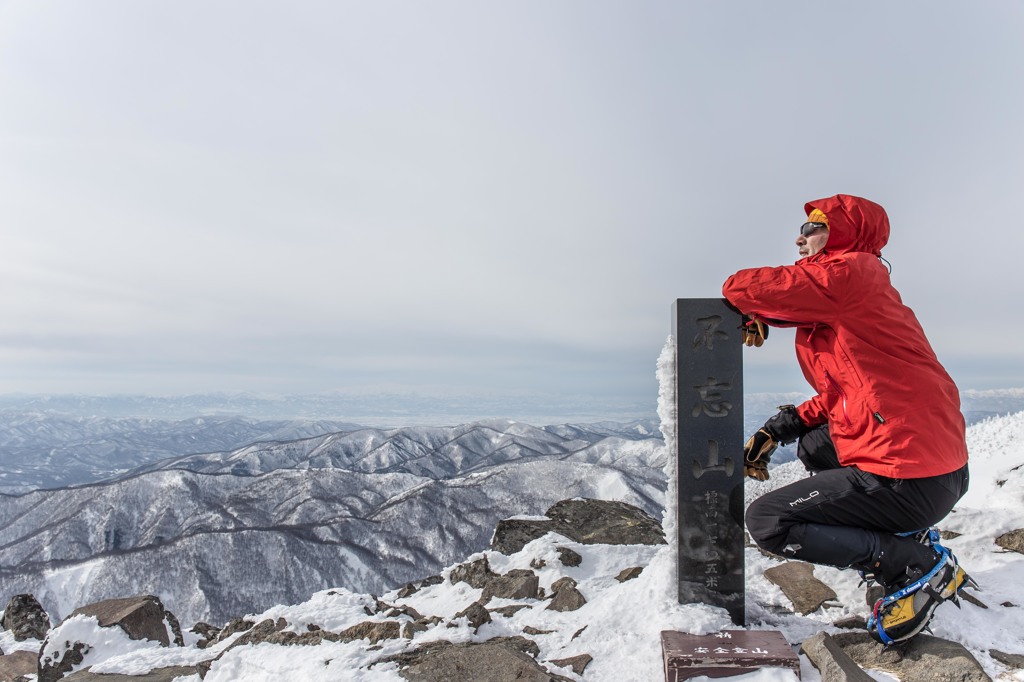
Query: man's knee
[(816, 450), (763, 526)]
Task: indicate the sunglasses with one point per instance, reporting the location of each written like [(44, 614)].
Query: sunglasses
[(807, 229)]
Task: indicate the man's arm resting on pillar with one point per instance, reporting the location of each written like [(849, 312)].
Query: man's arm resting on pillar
[(753, 329)]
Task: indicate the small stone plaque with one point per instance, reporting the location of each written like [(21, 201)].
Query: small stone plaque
[(725, 654)]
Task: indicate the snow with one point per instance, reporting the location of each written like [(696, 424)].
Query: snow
[(63, 583), (9, 645)]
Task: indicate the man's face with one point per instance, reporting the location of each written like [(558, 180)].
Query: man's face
[(812, 240)]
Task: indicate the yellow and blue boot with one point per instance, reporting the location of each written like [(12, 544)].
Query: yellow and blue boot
[(912, 594)]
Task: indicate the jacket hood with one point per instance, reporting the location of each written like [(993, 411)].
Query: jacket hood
[(854, 224)]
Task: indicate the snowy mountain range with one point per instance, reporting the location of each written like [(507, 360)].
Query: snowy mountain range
[(59, 441), (221, 534)]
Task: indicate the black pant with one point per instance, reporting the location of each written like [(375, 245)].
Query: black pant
[(845, 517)]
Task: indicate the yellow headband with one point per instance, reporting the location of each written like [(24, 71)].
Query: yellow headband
[(816, 216)]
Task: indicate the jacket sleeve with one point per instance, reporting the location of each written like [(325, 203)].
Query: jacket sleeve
[(812, 412), (798, 294)]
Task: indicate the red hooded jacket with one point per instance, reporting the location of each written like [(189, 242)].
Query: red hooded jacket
[(891, 408)]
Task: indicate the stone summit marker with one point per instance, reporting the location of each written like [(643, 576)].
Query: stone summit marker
[(709, 508), (709, 428)]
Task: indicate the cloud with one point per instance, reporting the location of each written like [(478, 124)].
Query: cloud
[(222, 195)]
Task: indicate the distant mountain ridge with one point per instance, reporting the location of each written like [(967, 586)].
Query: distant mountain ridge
[(378, 409), (47, 450), (58, 441), (434, 452)]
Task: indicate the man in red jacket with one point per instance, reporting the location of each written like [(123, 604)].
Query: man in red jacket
[(896, 462)]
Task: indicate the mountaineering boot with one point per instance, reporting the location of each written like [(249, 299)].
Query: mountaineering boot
[(870, 577), (917, 579)]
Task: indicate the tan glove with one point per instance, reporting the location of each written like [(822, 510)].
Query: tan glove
[(754, 331), (757, 452)]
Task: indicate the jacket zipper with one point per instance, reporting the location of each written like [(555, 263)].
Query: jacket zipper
[(842, 394)]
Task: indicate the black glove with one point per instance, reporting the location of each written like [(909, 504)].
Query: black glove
[(754, 331), (785, 427)]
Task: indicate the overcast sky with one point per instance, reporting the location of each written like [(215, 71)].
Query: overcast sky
[(481, 198)]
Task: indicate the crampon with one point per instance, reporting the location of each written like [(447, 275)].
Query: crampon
[(907, 611)]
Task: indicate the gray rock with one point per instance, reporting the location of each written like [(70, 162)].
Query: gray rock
[(157, 675), (407, 591), (273, 632), (566, 598), (234, 626), (530, 630), (850, 623), (577, 663), (569, 557), (797, 581), (509, 611), (1012, 541), (289, 638), (497, 660), (410, 630), (831, 661), (511, 535), (25, 618), (18, 665), (629, 573), (140, 617), (51, 669), (207, 632), (259, 633), (476, 613), (1012, 660), (374, 631), (523, 645), (516, 584), (599, 522), (564, 581), (404, 610), (590, 522), (476, 573), (922, 659), (415, 586), (172, 620)]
